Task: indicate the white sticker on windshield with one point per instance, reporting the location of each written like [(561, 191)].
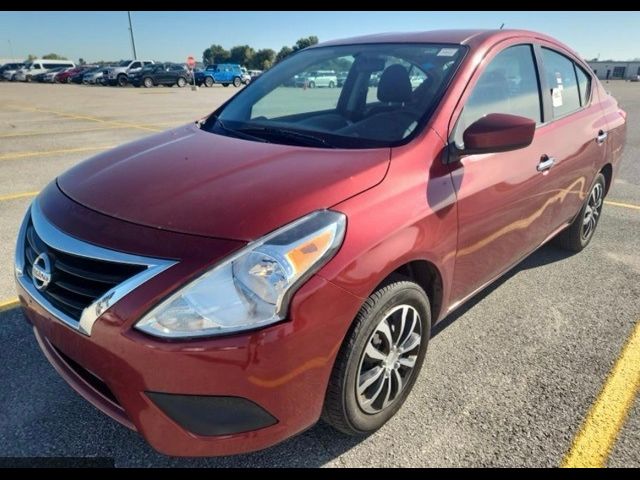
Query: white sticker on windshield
[(556, 97), (447, 52)]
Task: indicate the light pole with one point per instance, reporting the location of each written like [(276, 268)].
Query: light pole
[(10, 48), (133, 42)]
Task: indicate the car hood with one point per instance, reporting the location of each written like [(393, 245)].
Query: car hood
[(191, 181)]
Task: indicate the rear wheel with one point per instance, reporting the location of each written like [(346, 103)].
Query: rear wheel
[(237, 82), (578, 235), (331, 84), (380, 359), (181, 82), (208, 81), (147, 82)]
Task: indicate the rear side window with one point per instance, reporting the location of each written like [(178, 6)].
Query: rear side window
[(562, 82), (584, 85), (509, 84)]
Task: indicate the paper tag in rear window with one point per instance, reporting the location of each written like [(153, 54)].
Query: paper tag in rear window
[(447, 52)]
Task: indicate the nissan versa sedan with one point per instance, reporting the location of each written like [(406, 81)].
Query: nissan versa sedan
[(222, 286)]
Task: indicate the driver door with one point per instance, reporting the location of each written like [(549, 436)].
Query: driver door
[(504, 199)]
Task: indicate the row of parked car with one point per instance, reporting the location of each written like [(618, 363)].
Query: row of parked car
[(147, 73)]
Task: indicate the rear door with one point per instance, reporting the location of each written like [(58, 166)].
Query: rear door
[(504, 199), (576, 131)]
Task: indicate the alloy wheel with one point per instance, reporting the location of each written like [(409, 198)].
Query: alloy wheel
[(389, 359), (592, 211)]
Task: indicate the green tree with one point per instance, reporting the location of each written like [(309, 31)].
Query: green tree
[(31, 57), (241, 54), (53, 56), (283, 53), (263, 59), (305, 42), (81, 61), (215, 54)]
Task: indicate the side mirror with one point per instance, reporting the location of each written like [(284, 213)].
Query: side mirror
[(498, 132)]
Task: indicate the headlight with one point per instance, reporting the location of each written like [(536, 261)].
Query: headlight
[(252, 288)]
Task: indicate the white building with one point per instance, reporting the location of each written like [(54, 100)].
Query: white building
[(610, 70)]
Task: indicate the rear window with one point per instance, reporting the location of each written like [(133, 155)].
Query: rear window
[(584, 84), (562, 82)]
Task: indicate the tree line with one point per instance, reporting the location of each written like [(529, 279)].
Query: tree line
[(247, 56)]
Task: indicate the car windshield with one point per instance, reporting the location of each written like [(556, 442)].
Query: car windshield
[(387, 96), (124, 63)]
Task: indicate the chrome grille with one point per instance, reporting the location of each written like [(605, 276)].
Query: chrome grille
[(82, 280), (76, 282)]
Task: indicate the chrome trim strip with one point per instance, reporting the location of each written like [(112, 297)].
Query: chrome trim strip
[(58, 240)]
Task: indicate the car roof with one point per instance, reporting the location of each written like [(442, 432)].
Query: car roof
[(471, 37)]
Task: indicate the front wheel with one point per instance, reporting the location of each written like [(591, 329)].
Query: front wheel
[(147, 82), (312, 84), (181, 82), (237, 82), (225, 84), (331, 84), (123, 80), (578, 235), (379, 360), (208, 81)]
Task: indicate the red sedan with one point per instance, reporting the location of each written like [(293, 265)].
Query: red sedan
[(65, 76), (221, 286)]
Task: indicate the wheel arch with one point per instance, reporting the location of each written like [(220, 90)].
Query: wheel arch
[(607, 171), (427, 275)]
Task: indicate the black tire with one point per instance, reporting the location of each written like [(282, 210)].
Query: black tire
[(208, 81), (312, 85), (575, 238), (122, 80), (331, 84), (225, 84), (342, 408), (181, 82), (237, 81), (147, 82)]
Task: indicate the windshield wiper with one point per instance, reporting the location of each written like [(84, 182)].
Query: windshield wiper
[(238, 133), (278, 132)]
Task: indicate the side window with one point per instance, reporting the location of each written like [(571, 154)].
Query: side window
[(584, 84), (509, 84), (562, 83), (135, 65)]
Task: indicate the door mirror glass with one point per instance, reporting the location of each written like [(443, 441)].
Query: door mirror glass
[(498, 132)]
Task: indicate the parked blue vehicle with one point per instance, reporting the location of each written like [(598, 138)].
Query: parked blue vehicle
[(223, 73)]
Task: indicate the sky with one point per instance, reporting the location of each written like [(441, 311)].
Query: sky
[(172, 36)]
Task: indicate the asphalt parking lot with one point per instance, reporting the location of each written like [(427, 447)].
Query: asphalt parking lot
[(508, 380)]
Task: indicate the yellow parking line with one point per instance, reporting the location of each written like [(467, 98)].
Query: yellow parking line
[(9, 304), (620, 204), (16, 155), (596, 437), (35, 133), (48, 132), (15, 196), (89, 118)]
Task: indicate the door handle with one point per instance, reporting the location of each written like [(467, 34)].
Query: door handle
[(602, 136), (546, 162)]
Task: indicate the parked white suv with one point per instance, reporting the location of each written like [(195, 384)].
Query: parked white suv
[(119, 75), (40, 66), (318, 78)]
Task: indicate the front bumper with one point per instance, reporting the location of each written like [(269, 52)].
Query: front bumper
[(283, 369)]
